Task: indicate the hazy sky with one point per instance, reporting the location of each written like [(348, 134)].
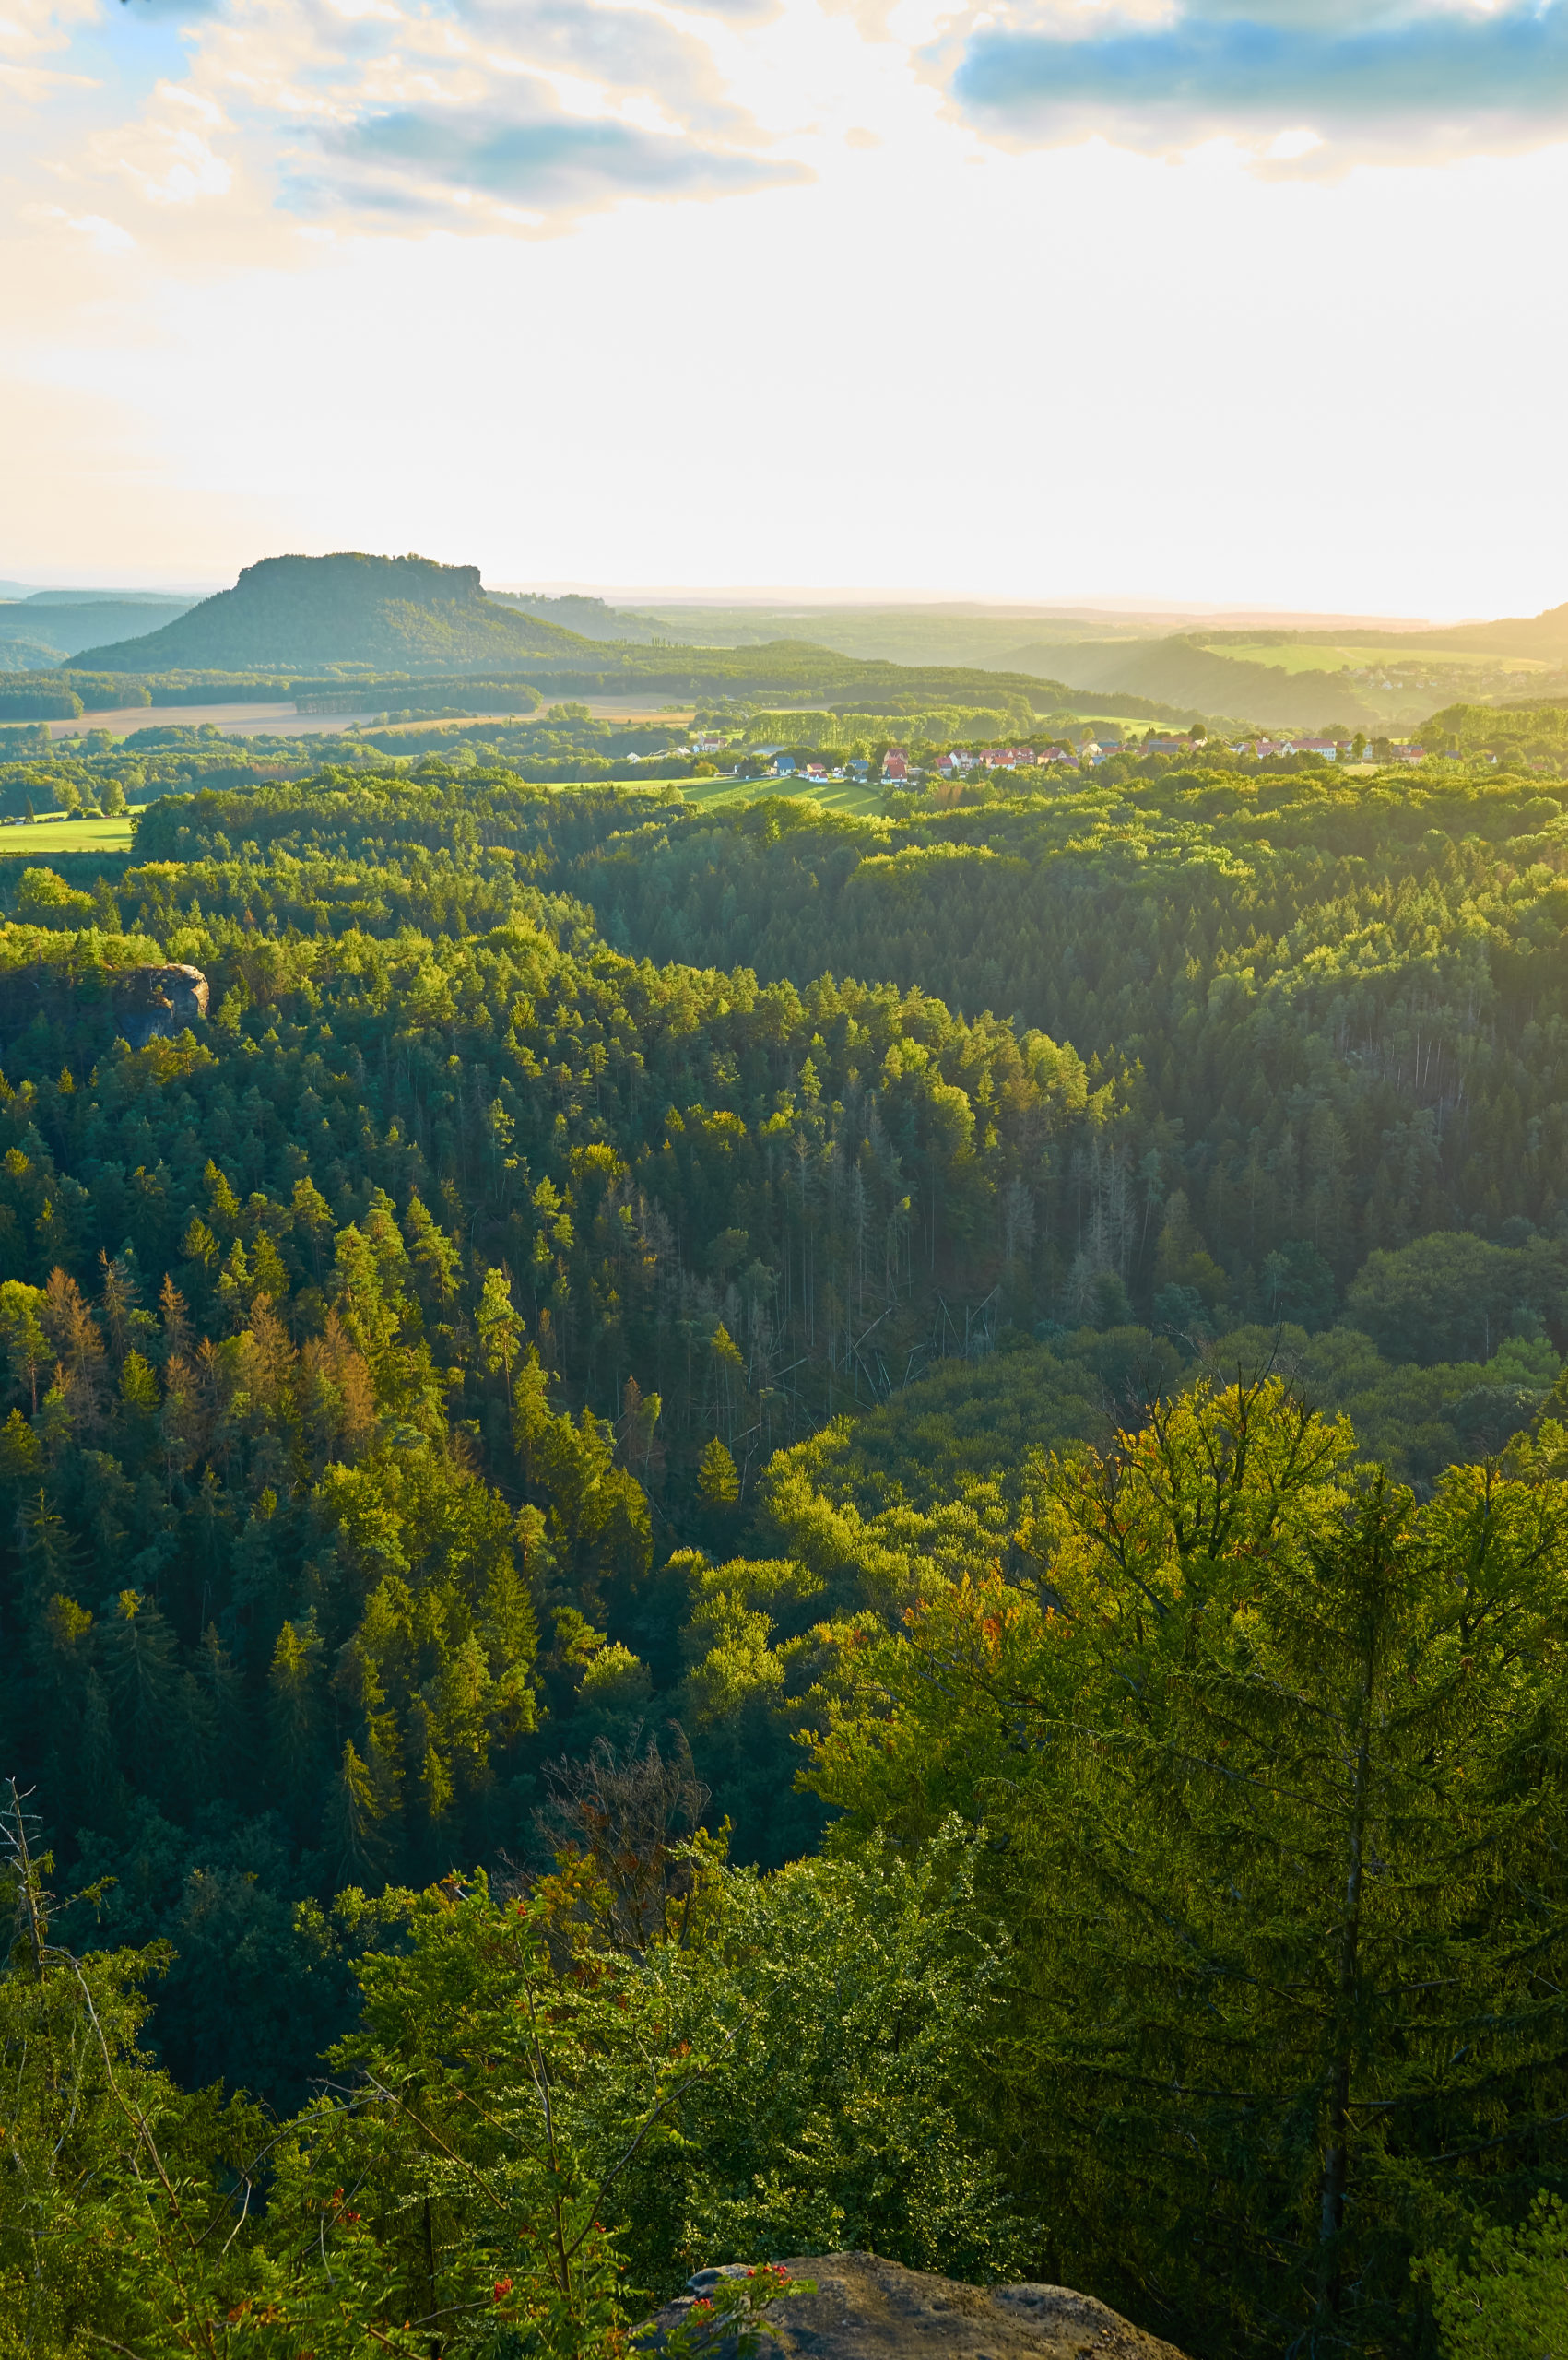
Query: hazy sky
[(1242, 299)]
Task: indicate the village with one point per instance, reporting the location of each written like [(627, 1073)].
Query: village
[(1085, 753)]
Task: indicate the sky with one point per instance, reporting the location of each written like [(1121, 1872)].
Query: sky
[(1249, 301)]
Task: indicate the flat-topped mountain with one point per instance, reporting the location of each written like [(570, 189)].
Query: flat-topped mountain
[(398, 613)]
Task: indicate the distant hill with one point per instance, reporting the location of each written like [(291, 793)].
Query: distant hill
[(1541, 635), (103, 596), (590, 617), (1180, 671), (400, 613), (971, 638), (37, 655), (63, 627)]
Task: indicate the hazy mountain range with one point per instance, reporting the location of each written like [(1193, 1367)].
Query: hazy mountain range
[(410, 614)]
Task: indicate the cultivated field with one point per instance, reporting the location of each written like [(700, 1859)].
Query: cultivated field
[(832, 794), (1309, 658), (32, 839), (232, 720)]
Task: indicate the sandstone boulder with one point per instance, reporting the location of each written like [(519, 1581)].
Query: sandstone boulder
[(869, 2309)]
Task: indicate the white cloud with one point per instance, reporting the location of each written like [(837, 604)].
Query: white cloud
[(30, 27), (104, 237)]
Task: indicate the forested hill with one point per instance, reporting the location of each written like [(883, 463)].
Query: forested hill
[(1332, 1002), (401, 612), (1025, 1335)]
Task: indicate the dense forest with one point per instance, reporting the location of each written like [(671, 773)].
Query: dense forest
[(725, 1531)]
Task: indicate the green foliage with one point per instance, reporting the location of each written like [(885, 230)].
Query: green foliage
[(495, 1334), (730, 2310), (718, 1478), (523, 2108), (1269, 947), (1509, 2301), (833, 2112), (44, 899), (37, 696), (1269, 1763), (1519, 726), (1414, 1420), (1452, 1297)]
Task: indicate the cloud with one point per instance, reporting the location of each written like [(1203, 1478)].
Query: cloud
[(1371, 81), (428, 161), (104, 237), (489, 113), (468, 114), (27, 27)]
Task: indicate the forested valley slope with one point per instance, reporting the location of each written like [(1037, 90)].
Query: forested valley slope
[(727, 1532)]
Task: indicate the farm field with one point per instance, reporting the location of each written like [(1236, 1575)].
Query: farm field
[(232, 720), (1312, 657), (32, 839), (623, 709), (632, 708), (829, 795)]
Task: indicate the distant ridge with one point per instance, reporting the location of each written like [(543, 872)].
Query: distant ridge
[(1544, 635), (60, 628), (1181, 671), (403, 613)]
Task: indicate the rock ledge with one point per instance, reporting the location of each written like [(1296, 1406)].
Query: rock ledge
[(869, 2309)]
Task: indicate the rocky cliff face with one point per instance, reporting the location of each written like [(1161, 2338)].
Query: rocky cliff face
[(159, 1003), (870, 2309)]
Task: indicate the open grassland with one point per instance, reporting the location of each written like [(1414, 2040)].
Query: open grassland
[(34, 838)]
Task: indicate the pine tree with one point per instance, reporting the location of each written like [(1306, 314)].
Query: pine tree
[(296, 1715), (500, 1327), (354, 1846), (718, 1478), (432, 1250), (21, 1332), (223, 1723), (141, 1675)]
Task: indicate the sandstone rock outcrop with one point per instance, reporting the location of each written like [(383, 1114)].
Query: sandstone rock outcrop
[(141, 1004), (869, 2309), (159, 1003)]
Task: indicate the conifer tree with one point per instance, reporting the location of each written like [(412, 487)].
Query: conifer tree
[(718, 1478)]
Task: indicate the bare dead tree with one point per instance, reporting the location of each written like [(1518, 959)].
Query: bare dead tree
[(635, 1814)]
